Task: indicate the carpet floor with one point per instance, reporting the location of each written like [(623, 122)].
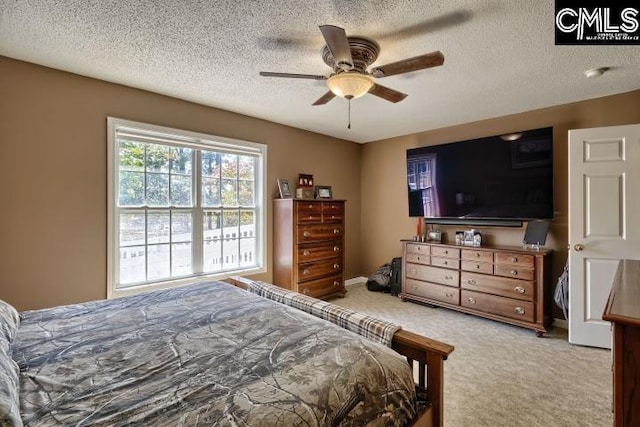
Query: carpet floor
[(502, 375)]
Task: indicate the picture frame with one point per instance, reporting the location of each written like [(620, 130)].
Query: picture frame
[(304, 193), (305, 180), (284, 188), (323, 192)]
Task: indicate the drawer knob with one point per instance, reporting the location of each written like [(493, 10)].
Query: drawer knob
[(519, 289), (336, 266), (471, 300), (305, 252), (519, 310), (310, 206), (514, 272), (306, 234), (305, 291), (446, 252), (414, 287), (448, 277), (449, 295), (336, 283), (471, 282), (514, 259), (333, 217), (478, 254), (418, 258), (336, 249), (445, 262), (336, 231), (478, 266), (419, 248), (305, 272)]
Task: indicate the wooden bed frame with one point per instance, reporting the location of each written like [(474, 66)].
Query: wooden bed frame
[(426, 358)]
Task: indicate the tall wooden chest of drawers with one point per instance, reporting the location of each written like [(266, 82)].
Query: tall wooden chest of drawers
[(308, 246), (623, 311), (508, 284)]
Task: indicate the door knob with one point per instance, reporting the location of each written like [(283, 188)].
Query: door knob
[(578, 247)]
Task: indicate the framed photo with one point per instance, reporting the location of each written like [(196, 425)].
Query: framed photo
[(323, 192), (305, 180), (284, 188), (304, 193)]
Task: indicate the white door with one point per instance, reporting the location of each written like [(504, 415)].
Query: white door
[(604, 222)]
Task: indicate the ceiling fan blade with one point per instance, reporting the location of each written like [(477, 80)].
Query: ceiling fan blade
[(293, 76), (338, 44), (325, 98), (433, 59), (386, 93)]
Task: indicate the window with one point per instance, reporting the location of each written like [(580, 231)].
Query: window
[(182, 205)]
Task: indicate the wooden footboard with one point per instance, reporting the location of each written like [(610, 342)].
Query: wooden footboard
[(426, 358)]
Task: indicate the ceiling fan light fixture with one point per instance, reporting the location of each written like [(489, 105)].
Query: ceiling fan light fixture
[(349, 85)]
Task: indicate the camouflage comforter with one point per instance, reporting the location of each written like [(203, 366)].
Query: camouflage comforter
[(206, 354)]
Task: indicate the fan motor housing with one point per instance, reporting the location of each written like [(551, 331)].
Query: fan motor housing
[(364, 52)]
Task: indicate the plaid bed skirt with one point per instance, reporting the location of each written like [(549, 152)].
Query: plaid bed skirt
[(369, 327)]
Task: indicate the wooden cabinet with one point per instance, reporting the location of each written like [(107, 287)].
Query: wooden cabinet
[(508, 284), (623, 310), (309, 246)]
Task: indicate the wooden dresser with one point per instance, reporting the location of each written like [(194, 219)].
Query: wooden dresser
[(309, 246), (509, 284), (623, 310)]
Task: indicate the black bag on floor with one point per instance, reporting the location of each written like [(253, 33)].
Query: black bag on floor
[(395, 280), (379, 281)]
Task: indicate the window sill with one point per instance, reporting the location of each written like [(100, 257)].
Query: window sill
[(149, 287)]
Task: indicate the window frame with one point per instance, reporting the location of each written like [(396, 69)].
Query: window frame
[(198, 141)]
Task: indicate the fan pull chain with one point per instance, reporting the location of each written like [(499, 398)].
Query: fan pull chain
[(349, 125)]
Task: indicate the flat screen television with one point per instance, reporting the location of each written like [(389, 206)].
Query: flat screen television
[(497, 178)]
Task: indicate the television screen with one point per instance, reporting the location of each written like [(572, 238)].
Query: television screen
[(498, 177)]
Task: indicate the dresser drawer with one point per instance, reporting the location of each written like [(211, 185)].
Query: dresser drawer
[(308, 252), (445, 262), (445, 252), (418, 258), (515, 259), (309, 212), (512, 288), (332, 212), (507, 307), (310, 233), (313, 270), (478, 267), (433, 291), (415, 248), (476, 255), (433, 274), (321, 287), (515, 271)]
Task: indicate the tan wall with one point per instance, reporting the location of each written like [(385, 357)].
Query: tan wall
[(385, 215), (53, 175)]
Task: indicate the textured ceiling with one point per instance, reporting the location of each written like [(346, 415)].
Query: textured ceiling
[(500, 56)]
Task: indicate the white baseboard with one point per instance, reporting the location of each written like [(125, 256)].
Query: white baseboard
[(560, 323), (355, 281)]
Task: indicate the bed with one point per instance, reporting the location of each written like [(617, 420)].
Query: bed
[(210, 354)]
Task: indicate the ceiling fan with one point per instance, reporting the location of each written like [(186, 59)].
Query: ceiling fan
[(349, 58)]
